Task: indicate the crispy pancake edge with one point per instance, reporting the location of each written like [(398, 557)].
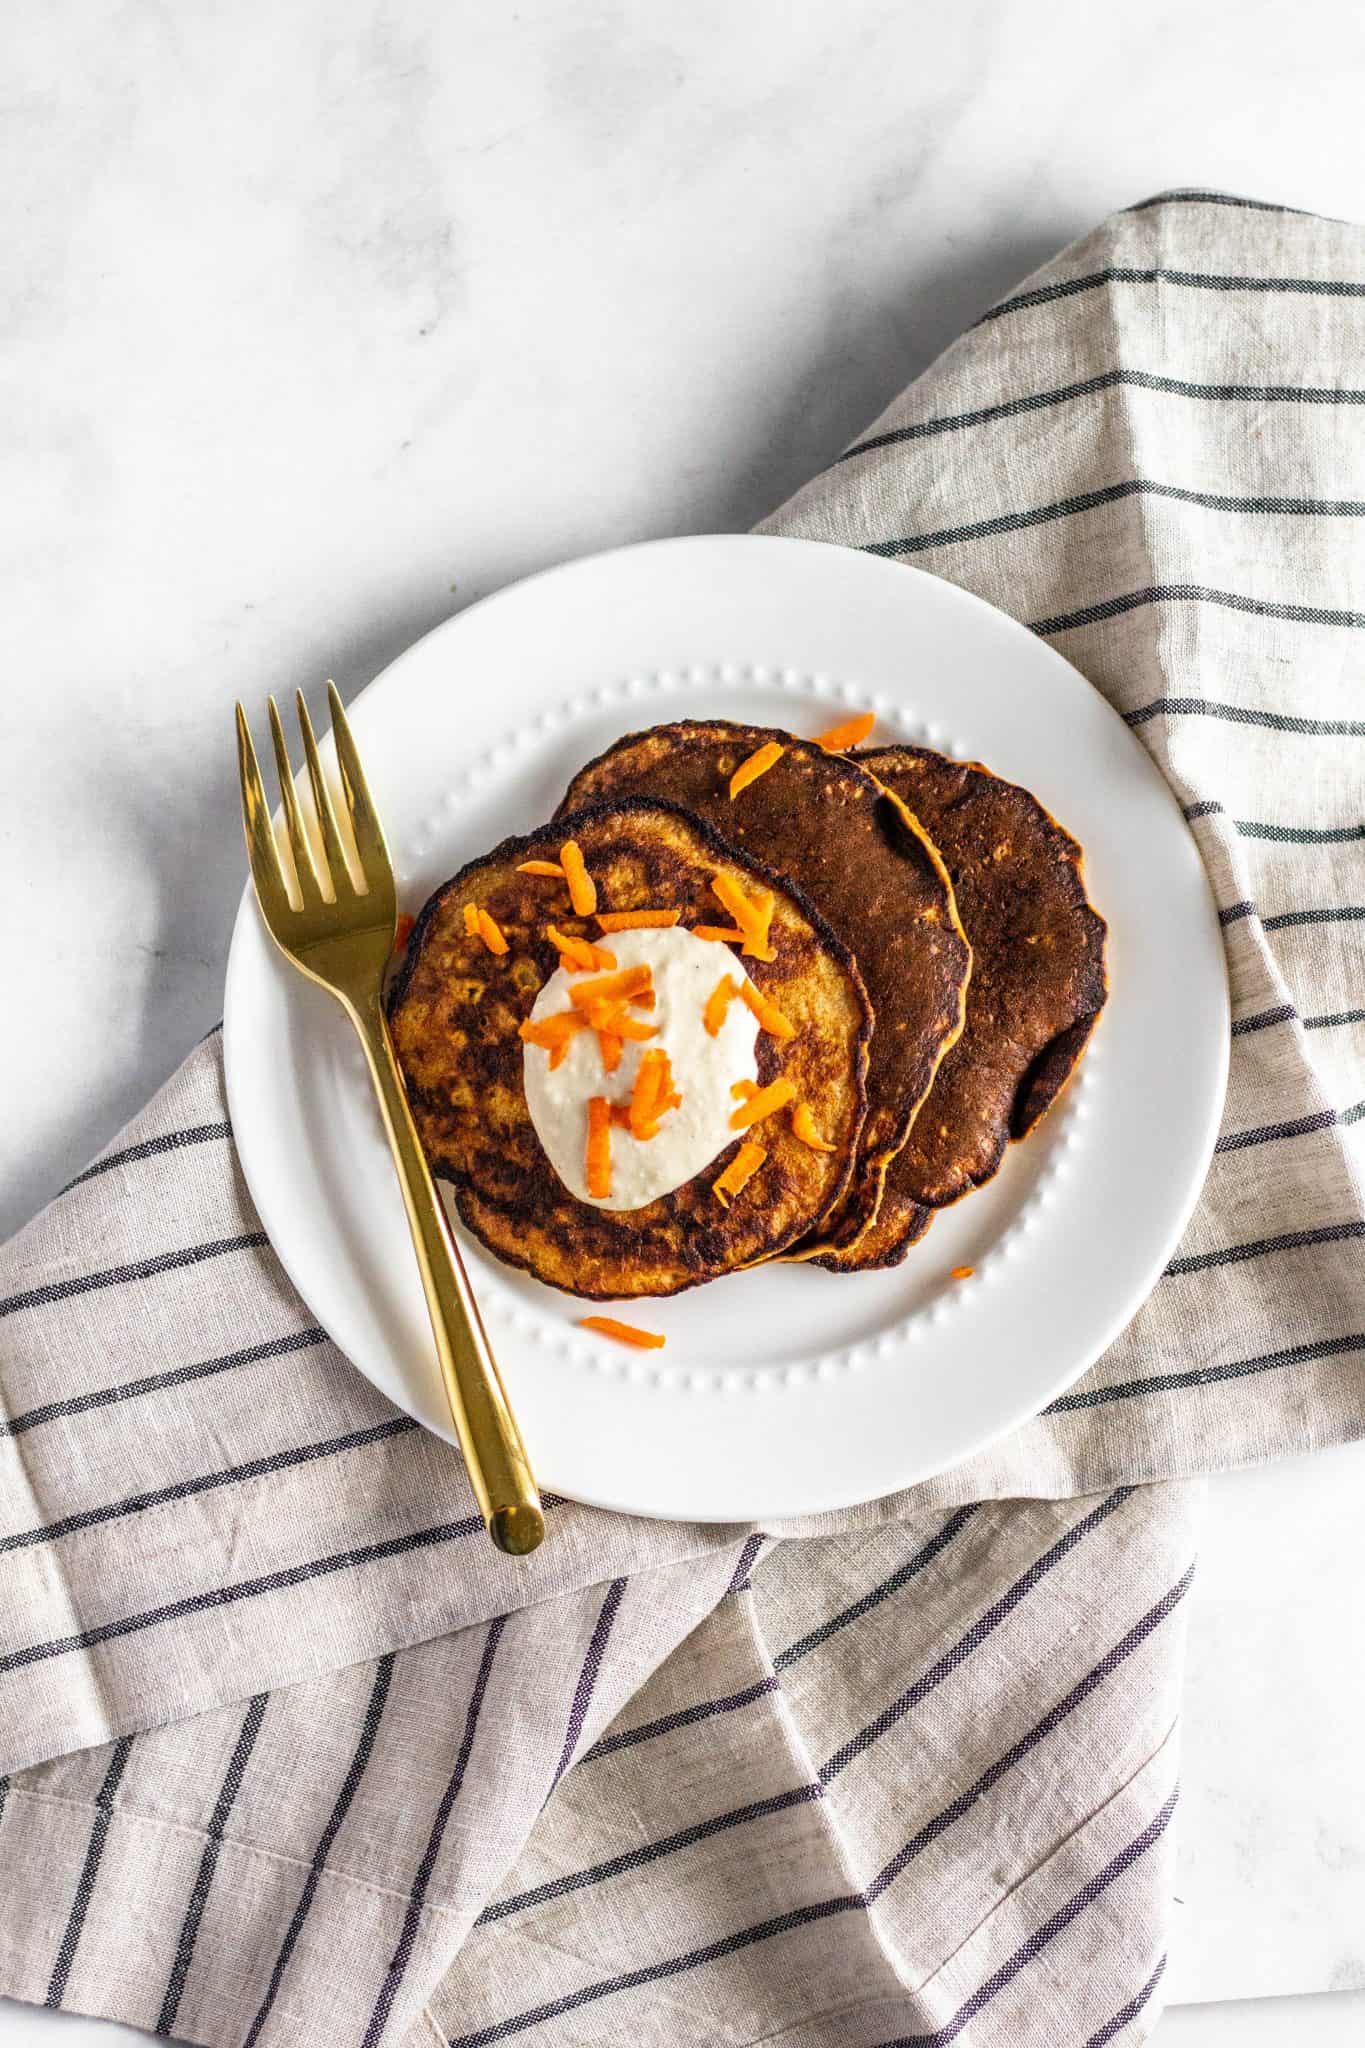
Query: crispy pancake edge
[(1052, 1067), (709, 842), (871, 1250)]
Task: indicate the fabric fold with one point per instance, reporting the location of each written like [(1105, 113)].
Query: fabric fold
[(817, 1871)]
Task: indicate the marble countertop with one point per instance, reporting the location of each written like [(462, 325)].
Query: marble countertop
[(320, 321), (1329, 2022)]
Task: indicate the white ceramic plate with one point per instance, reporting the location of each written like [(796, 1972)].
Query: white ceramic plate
[(787, 1390)]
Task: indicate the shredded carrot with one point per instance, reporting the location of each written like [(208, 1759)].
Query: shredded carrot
[(770, 1018), (730, 933), (548, 1031), (644, 1094), (739, 1172), (776, 1095), (753, 914), (851, 733), (729, 892), (654, 1094), (581, 954), (602, 1004), (611, 1019), (611, 1048), (624, 1333), (756, 941), (718, 1004), (599, 1146), (666, 1095), (742, 1090), (573, 952), (471, 921), (637, 920), (490, 933), (631, 985), (615, 1018), (759, 762), (962, 1272), (403, 930), (582, 888), (803, 1127), (541, 867), (552, 1034)]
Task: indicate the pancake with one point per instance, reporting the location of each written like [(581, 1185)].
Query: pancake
[(455, 1012), (822, 824), (1038, 983)]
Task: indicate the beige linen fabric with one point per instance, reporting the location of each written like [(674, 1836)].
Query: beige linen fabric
[(293, 1757)]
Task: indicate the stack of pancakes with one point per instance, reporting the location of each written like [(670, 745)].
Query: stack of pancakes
[(932, 935)]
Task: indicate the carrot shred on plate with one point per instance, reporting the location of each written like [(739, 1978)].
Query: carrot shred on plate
[(803, 1127), (541, 867), (624, 1333), (753, 914), (637, 920), (742, 1090), (471, 921), (630, 985), (580, 954), (403, 930), (962, 1272), (758, 763), (851, 732), (718, 1004), (770, 1018), (729, 933), (491, 933), (775, 1096), (599, 1147), (582, 888), (739, 1172)]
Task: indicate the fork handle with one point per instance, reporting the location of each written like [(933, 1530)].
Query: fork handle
[(499, 1468)]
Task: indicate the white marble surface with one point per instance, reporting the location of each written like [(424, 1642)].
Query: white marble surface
[(1271, 1884), (319, 320), (1327, 2022)]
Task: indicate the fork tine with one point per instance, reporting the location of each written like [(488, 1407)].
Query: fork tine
[(375, 864), (310, 889), (322, 803), (267, 871)]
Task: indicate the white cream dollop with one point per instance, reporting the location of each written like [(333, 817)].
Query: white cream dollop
[(705, 1069)]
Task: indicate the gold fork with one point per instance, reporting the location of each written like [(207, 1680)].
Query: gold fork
[(342, 938)]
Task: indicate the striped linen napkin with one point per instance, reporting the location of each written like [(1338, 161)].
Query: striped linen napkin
[(295, 1759)]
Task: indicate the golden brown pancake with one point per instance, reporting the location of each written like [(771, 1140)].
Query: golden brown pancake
[(455, 1011), (1038, 983), (822, 824)]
